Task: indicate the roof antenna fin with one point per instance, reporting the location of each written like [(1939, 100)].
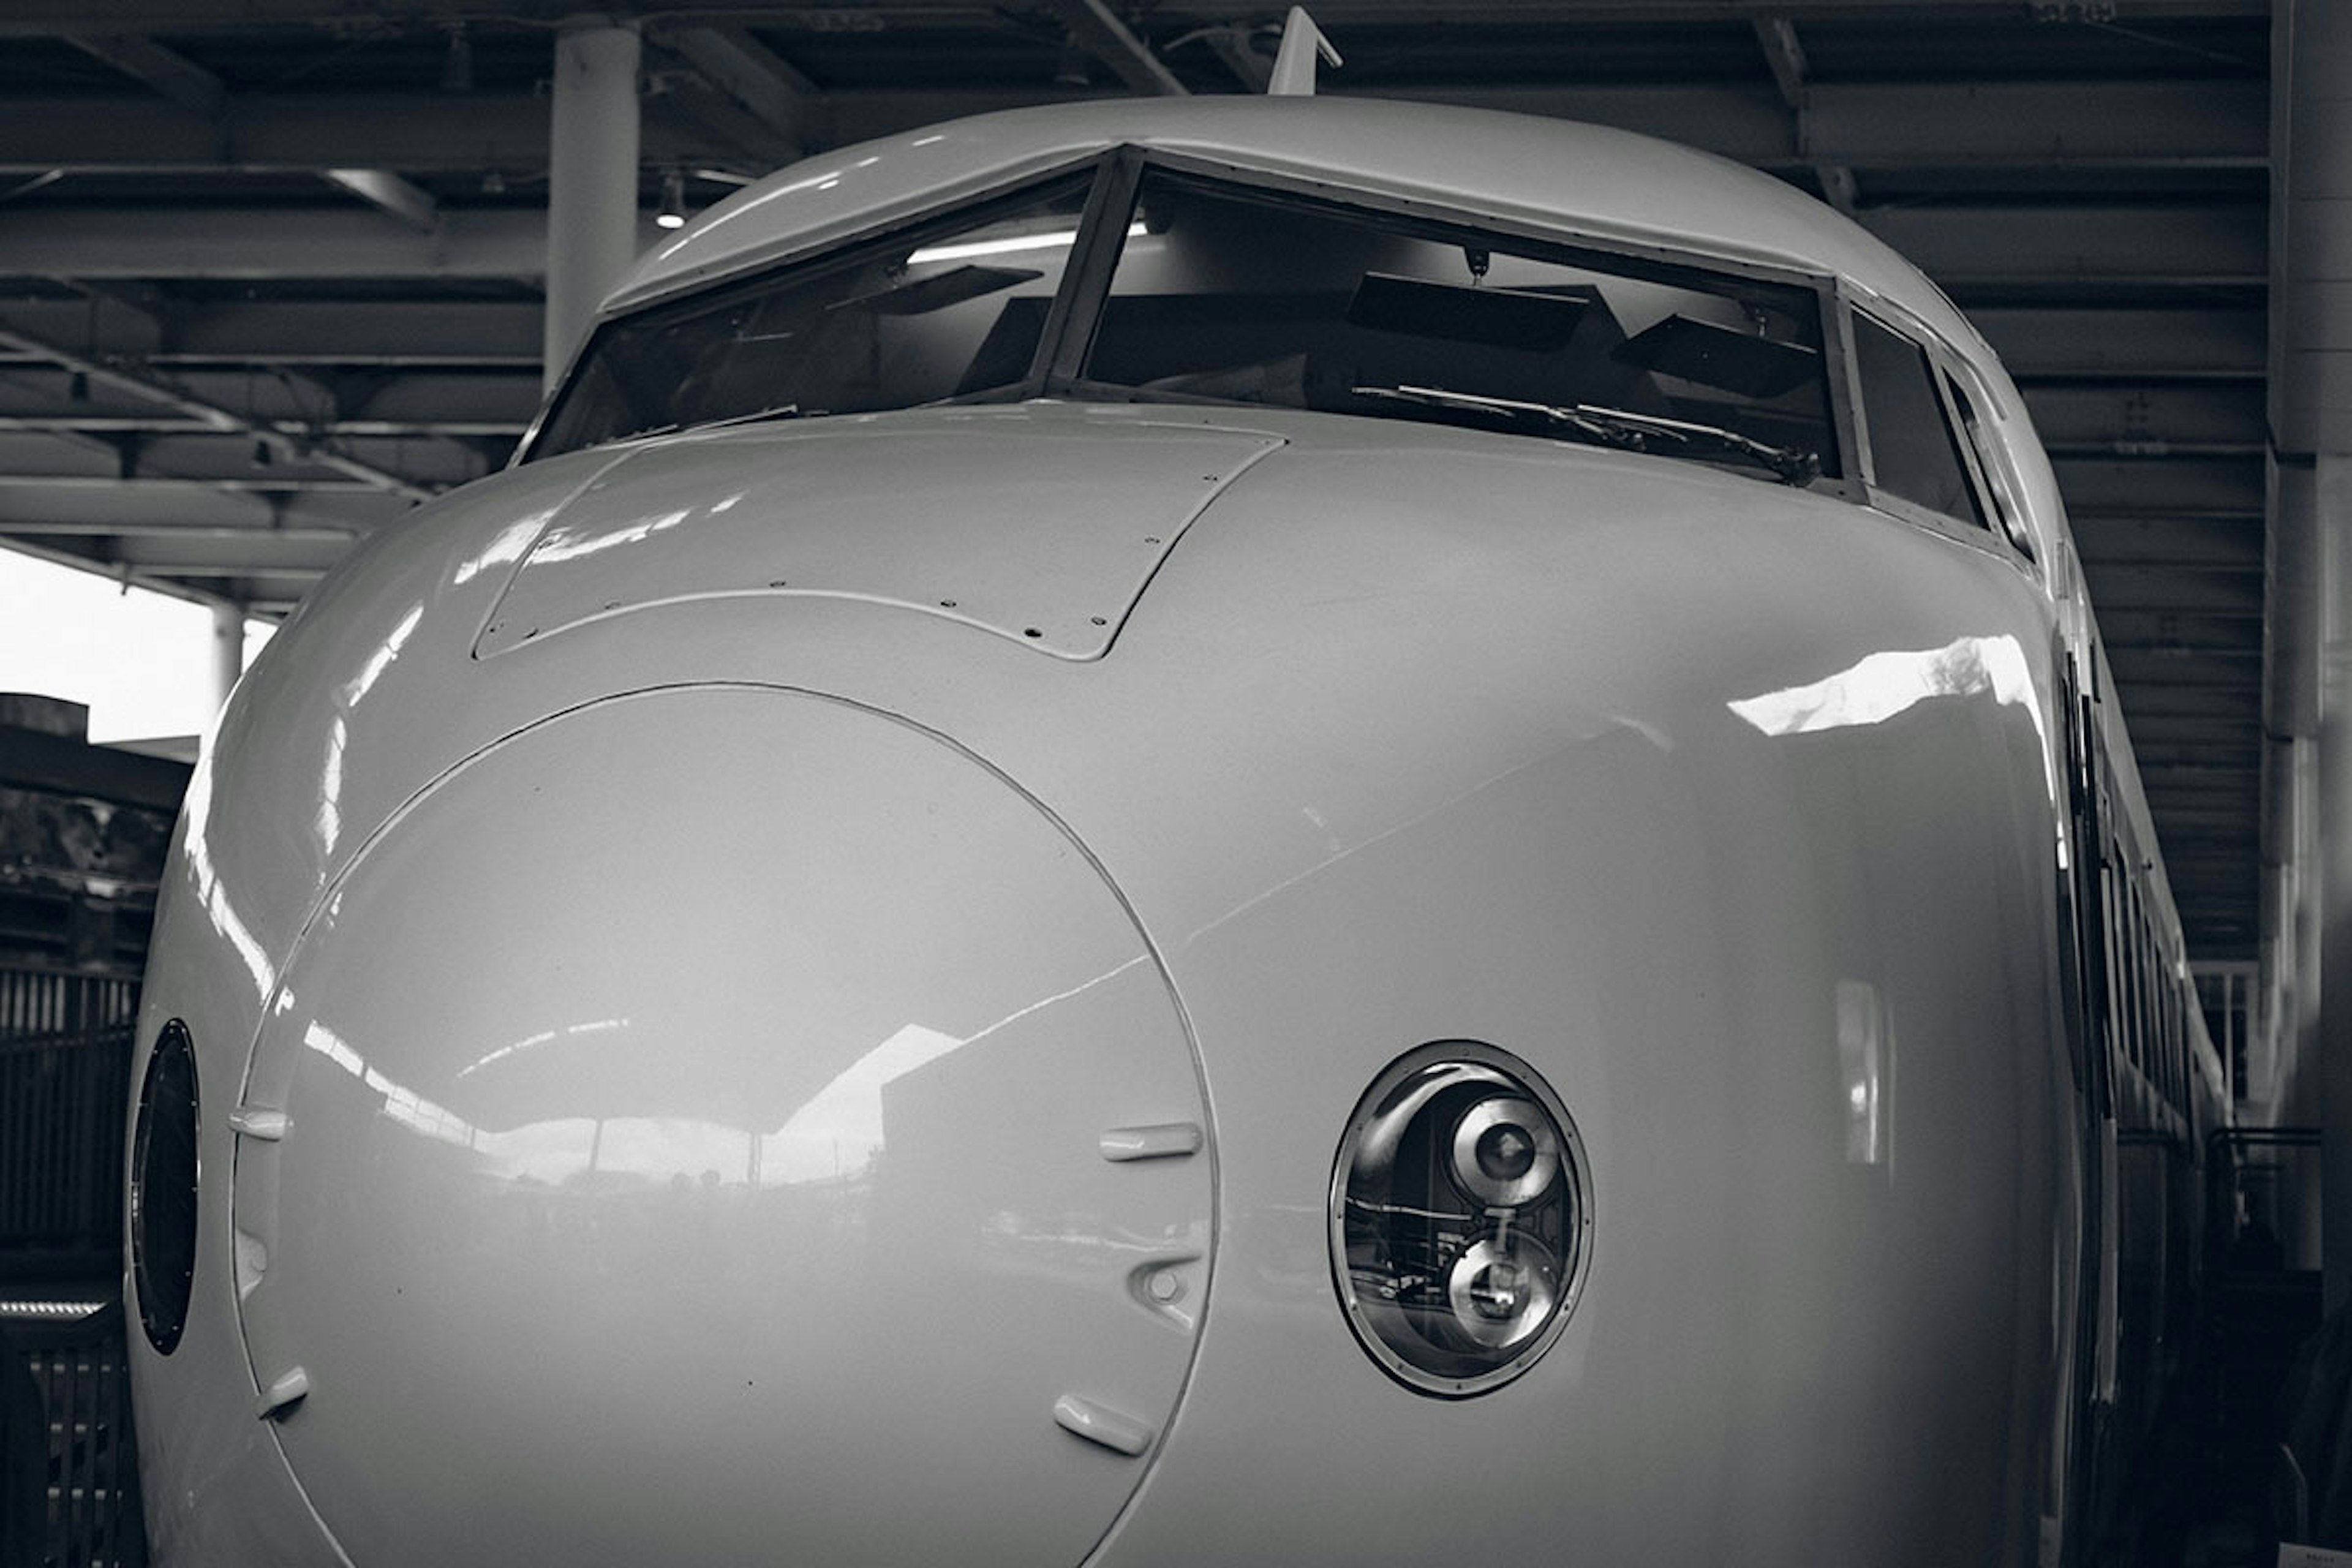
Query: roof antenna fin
[(1293, 66)]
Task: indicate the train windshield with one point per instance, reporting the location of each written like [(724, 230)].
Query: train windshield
[(944, 308), (1214, 290), (1226, 292)]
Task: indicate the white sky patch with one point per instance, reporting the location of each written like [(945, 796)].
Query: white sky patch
[(1884, 685), (141, 661)]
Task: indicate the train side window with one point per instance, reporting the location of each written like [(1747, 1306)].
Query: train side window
[(2000, 483), (1915, 454)]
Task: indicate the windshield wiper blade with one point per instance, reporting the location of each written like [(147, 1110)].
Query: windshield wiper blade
[(1620, 427), (755, 416)]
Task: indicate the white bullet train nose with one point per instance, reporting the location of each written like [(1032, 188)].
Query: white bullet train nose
[(717, 1122)]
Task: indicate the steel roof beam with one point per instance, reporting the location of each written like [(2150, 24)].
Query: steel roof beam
[(154, 389), (1777, 36), (61, 420), (2235, 542), (2148, 420), (2166, 484), (178, 78), (2122, 588), (1980, 246), (2037, 125), (33, 18), (370, 332), (1235, 50), (219, 242), (755, 79), (158, 504), (2097, 343), (2221, 244), (1099, 32)]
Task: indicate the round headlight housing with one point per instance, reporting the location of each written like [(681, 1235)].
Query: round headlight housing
[(1461, 1218), (163, 1188)]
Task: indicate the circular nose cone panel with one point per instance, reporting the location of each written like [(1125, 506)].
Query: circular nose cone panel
[(694, 1151)]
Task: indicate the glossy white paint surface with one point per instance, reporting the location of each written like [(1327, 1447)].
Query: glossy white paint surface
[(733, 1115), (1728, 808), (993, 520)]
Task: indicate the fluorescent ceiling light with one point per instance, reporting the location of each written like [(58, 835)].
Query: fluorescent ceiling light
[(964, 251)]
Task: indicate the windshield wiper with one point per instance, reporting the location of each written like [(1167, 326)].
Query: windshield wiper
[(1618, 427), (755, 416)]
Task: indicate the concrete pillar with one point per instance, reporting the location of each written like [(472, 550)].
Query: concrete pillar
[(2333, 512), (2311, 434), (228, 651), (592, 183)]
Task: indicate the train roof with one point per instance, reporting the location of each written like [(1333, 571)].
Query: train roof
[(1604, 182)]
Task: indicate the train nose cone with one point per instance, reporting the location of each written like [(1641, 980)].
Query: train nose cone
[(720, 1125)]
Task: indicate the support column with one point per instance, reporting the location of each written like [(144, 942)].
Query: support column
[(2311, 435), (228, 651), (2333, 512), (592, 183)]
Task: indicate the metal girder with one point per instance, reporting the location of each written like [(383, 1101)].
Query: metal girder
[(2201, 715), (53, 421), (209, 554), (2136, 668), (2127, 587), (1099, 32), (262, 242), (2099, 343), (27, 19), (1777, 36), (178, 78), (2162, 246), (420, 331), (231, 538), (2195, 124), (2221, 244), (1235, 51), (2149, 421), (2232, 542), (66, 510), (759, 81), (185, 485), (152, 388), (2172, 485), (2157, 633), (263, 132), (388, 191), (2033, 125)]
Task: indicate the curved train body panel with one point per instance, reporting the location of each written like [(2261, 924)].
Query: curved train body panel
[(792, 985)]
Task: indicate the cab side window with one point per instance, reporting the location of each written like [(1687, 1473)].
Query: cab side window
[(1989, 463), (1915, 454)]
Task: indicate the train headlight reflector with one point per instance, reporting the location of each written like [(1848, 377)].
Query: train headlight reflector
[(1461, 1218), (163, 1188)]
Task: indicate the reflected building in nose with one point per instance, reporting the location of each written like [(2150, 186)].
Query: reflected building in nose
[(698, 1100)]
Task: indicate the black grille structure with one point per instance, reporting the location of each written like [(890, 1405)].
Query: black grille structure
[(64, 1063), (67, 1454)]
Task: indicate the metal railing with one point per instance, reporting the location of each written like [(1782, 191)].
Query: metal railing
[(64, 1063)]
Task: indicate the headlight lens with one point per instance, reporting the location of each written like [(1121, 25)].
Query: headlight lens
[(1461, 1218), (163, 1188)]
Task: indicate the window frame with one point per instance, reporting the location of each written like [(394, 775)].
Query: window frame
[(844, 247), (2002, 532), (1654, 263), (1067, 334)]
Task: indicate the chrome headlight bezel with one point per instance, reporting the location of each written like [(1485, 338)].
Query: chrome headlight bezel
[(1430, 1268)]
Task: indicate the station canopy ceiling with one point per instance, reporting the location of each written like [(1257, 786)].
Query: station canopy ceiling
[(270, 269)]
